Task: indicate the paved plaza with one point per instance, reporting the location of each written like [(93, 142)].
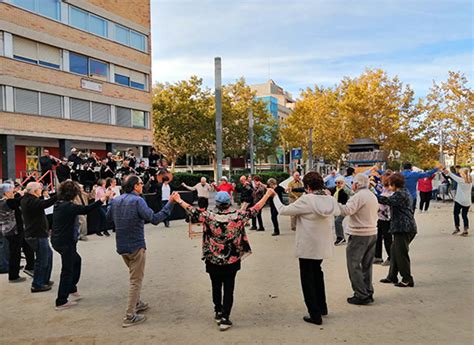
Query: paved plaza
[(268, 306)]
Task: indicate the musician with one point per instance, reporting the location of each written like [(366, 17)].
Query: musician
[(153, 158), (47, 162), (93, 160), (124, 170), (87, 177), (75, 163), (63, 171), (111, 162), (131, 158), (105, 170), (143, 172), (152, 186)]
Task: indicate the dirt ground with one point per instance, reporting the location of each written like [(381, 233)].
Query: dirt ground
[(268, 305)]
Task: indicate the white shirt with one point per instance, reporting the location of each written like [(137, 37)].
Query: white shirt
[(202, 190), (165, 192)]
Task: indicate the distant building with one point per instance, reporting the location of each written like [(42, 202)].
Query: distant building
[(73, 73), (280, 103)]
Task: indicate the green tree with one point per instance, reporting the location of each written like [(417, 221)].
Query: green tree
[(449, 112)]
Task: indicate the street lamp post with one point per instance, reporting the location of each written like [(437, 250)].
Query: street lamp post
[(218, 98), (251, 148), (310, 150)]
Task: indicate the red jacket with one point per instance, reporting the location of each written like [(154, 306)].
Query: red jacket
[(425, 184)]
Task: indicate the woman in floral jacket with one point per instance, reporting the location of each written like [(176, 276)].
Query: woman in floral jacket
[(224, 244)]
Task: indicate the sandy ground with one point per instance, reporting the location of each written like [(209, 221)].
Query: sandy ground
[(268, 306)]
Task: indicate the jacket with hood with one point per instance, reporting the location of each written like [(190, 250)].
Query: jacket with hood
[(314, 221)]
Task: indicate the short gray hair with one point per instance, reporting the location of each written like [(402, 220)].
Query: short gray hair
[(5, 188), (361, 180), (32, 186)]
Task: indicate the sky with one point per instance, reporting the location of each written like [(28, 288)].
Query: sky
[(300, 43)]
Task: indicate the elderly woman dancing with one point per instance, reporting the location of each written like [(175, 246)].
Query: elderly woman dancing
[(224, 244)]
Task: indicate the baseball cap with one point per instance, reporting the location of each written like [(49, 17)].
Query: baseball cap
[(222, 198)]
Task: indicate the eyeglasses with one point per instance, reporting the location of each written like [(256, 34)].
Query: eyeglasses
[(339, 182)]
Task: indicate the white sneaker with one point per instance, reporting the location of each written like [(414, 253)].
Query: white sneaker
[(66, 305)]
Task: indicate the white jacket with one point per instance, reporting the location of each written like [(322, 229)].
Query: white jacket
[(314, 224)]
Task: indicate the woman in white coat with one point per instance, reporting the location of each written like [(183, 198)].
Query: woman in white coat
[(314, 212)]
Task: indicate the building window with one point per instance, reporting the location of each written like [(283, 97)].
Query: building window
[(130, 78), (47, 8), (80, 109), (137, 40), (138, 119), (100, 113), (124, 117), (2, 98), (26, 102), (37, 53), (122, 34), (51, 105), (88, 22), (98, 25), (78, 64), (98, 69), (78, 18), (130, 38)]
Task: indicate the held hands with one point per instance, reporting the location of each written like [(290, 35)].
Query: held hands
[(175, 197)]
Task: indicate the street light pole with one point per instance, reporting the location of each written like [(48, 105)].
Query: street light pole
[(218, 99), (310, 149), (251, 149)]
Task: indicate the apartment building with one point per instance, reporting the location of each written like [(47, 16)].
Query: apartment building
[(73, 73), (280, 103)]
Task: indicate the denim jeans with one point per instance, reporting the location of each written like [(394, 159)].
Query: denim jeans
[(4, 254), (43, 261)]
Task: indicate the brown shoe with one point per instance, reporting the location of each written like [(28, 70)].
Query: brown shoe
[(465, 233)]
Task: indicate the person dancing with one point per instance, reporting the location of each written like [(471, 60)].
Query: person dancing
[(224, 245)]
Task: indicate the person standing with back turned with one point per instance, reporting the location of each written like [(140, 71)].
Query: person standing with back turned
[(129, 212)]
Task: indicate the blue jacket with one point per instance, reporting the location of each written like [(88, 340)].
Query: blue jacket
[(129, 212), (412, 177)]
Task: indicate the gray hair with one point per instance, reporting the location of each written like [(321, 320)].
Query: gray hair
[(361, 180), (272, 181), (32, 186), (5, 188)]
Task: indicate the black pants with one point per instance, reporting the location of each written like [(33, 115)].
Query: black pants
[(400, 260), (413, 206), (425, 198), (15, 243), (70, 272), (203, 203), (458, 208), (260, 221), (312, 283), (226, 282), (274, 213), (383, 226)]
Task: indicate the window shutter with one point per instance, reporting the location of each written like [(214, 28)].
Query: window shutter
[(1, 98), (100, 113), (122, 71), (25, 48), (137, 77), (124, 117), (80, 110), (1, 43), (49, 54), (51, 105), (26, 101)]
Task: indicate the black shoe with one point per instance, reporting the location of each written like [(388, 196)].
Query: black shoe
[(218, 317), (225, 324), (275, 234), (99, 234), (50, 283), (253, 228), (261, 229), (106, 233), (316, 321), (403, 284), (41, 289), (358, 301), (387, 281), (324, 312)]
